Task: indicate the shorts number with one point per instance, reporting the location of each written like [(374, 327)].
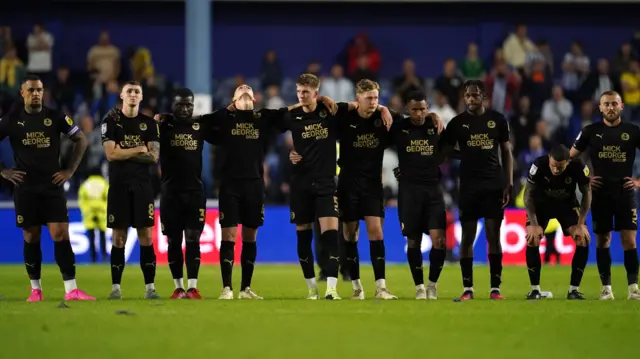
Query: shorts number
[(577, 210), (151, 210), (634, 216), (202, 214)]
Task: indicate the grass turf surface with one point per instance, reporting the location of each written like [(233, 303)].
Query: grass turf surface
[(284, 325)]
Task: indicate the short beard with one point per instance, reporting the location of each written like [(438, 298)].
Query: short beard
[(36, 107)]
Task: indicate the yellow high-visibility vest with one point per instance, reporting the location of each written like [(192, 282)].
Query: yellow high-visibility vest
[(553, 223)]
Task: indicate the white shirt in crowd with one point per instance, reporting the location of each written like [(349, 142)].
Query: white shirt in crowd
[(40, 60)]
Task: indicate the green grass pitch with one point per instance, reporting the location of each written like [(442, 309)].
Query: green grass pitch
[(284, 325)]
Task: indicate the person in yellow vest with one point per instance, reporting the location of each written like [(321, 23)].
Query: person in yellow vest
[(92, 200), (549, 232)]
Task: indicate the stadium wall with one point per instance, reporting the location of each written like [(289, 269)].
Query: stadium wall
[(277, 240)]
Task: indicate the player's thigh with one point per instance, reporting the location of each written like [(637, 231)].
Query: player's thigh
[(326, 201), (372, 205), (470, 204), (195, 211), (568, 217), (252, 204), (53, 208), (434, 213), (229, 205), (490, 205), (349, 205), (119, 208), (602, 214), (171, 213), (26, 207), (142, 206), (302, 202), (626, 213), (542, 216), (411, 200)]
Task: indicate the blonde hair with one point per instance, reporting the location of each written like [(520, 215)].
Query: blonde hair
[(310, 80), (365, 86)]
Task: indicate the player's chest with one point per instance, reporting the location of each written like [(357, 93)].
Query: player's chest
[(35, 133), (417, 141), (558, 186), (610, 142), (478, 134), (310, 129), (181, 138), (364, 135), (244, 129)]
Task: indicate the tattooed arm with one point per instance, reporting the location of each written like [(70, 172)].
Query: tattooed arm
[(151, 156)]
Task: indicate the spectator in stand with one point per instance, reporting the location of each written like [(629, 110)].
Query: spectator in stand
[(598, 81), (152, 96), (471, 67), (579, 120), (523, 124), (533, 151), (362, 47), (314, 67), (337, 87), (450, 84), (104, 59), (624, 58), (517, 46), (630, 81), (409, 81), (547, 54), (141, 64), (271, 72), (537, 84), (102, 105), (363, 71), (502, 87), (541, 130), (575, 69), (62, 91), (40, 47), (557, 111), (273, 99), (5, 39), (12, 72), (396, 104), (442, 108)]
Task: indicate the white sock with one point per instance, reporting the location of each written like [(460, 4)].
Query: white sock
[(35, 284), (179, 283), (495, 290), (192, 283), (572, 288), (534, 287), (420, 286), (311, 283), (332, 282), (432, 284), (633, 287), (468, 289), (149, 287), (356, 284), (607, 288), (115, 287), (70, 285), (381, 284)]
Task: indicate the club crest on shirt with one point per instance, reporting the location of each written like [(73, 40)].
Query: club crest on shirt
[(567, 180), (257, 115), (585, 170), (533, 170), (624, 136), (69, 120), (431, 132), (104, 128), (195, 126), (47, 122), (323, 114), (491, 124), (377, 122), (143, 127)]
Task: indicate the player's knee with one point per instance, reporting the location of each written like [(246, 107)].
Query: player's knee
[(603, 240), (59, 234), (415, 242), (31, 235), (304, 227), (350, 235), (375, 233), (249, 234), (192, 236), (229, 234), (438, 241), (628, 240), (119, 238)]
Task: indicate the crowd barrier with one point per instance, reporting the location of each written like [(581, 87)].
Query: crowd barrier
[(277, 240)]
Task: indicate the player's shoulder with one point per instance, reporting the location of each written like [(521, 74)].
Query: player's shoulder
[(593, 127), (577, 167), (144, 118), (630, 127), (496, 116)]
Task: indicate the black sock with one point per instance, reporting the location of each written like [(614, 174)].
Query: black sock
[(91, 236), (248, 260), (117, 264), (226, 262), (534, 264), (631, 265), (466, 266), (305, 253), (436, 261), (578, 264), (377, 253), (603, 258), (33, 259), (330, 240), (175, 257), (192, 253), (65, 259), (414, 257), (352, 261), (148, 263), (495, 269)]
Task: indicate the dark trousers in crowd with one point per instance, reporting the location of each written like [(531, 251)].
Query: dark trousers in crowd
[(551, 248), (321, 254)]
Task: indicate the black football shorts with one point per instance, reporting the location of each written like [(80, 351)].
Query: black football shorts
[(566, 214), (180, 211), (420, 208), (476, 203), (35, 208), (130, 205), (242, 202), (359, 198), (312, 198), (616, 212)]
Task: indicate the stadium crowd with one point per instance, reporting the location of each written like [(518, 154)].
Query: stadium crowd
[(544, 104)]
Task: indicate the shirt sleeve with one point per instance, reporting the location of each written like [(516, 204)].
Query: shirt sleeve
[(66, 125), (582, 174), (448, 136), (215, 118), (153, 134), (275, 118), (4, 127), (582, 141), (504, 133), (533, 175), (108, 130)]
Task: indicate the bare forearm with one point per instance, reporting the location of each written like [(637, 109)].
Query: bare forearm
[(529, 204), (79, 148), (122, 154), (585, 204), (507, 166), (151, 156)]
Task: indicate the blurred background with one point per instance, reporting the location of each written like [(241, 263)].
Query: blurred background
[(544, 64)]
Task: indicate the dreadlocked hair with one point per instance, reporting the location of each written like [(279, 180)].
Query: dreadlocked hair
[(474, 83)]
